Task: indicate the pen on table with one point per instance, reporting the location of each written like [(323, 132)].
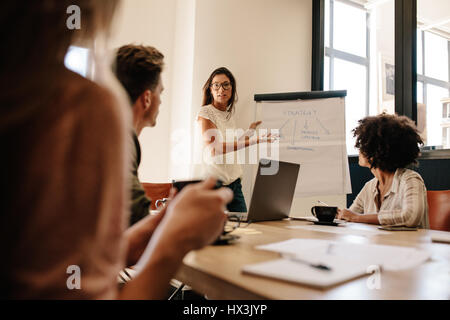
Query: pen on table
[(319, 266), (321, 202)]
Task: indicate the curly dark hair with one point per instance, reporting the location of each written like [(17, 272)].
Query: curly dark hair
[(388, 141), (138, 68)]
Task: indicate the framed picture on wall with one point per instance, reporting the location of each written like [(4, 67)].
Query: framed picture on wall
[(386, 84), (388, 77)]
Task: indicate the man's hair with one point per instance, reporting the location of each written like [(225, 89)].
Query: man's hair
[(138, 68), (388, 141)]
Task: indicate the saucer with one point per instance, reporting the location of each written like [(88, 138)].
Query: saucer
[(322, 223)]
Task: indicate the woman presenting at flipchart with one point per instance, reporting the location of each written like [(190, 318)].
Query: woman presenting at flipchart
[(215, 118)]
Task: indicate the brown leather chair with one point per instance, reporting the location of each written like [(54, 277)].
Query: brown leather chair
[(156, 191), (439, 209)]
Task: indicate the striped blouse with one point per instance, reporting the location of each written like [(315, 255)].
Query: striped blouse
[(405, 204)]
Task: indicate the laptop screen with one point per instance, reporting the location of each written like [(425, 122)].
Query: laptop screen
[(274, 190)]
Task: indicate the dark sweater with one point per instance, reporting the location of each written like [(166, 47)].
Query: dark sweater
[(140, 204)]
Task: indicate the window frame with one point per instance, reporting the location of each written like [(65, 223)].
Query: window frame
[(405, 59), (429, 80), (405, 54), (333, 53)]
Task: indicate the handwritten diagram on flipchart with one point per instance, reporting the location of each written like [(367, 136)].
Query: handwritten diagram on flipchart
[(312, 133)]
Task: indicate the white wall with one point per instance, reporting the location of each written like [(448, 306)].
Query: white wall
[(181, 122), (151, 22)]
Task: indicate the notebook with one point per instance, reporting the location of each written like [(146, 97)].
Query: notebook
[(273, 191), (347, 261), (292, 271)]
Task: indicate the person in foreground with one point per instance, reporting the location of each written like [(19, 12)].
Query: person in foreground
[(395, 196), (65, 200)]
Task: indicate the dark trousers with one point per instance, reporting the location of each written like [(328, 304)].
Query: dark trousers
[(238, 202)]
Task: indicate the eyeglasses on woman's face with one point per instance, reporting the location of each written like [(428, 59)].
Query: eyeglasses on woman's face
[(225, 85)]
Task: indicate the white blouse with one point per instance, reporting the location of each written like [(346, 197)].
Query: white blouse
[(405, 204), (223, 167)]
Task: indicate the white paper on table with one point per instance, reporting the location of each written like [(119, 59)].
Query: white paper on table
[(392, 258), (440, 236), (285, 269), (340, 230)]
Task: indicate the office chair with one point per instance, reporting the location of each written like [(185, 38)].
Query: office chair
[(439, 209), (156, 191)]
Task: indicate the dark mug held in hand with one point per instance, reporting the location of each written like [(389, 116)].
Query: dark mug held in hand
[(226, 237), (230, 228), (179, 185)]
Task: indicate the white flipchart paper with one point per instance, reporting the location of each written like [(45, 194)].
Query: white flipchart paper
[(312, 133)]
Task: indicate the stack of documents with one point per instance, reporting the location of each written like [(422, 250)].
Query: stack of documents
[(345, 261)]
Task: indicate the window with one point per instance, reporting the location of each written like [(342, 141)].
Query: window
[(347, 59), (433, 86), (77, 60), (398, 32)]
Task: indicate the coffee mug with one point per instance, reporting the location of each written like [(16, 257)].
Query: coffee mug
[(230, 228), (226, 237), (324, 213)]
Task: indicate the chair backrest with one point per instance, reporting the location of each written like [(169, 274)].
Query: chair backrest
[(439, 209), (156, 191)]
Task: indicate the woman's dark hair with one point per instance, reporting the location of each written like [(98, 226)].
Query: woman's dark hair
[(207, 96), (388, 141)]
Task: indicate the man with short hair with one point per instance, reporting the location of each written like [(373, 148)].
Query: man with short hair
[(138, 69)]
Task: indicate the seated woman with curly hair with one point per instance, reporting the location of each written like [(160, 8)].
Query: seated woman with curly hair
[(396, 196)]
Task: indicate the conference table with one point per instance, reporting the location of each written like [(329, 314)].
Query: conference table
[(216, 271)]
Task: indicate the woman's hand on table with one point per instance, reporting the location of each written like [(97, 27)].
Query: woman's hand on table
[(345, 214)]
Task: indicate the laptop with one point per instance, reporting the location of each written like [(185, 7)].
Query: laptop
[(273, 191)]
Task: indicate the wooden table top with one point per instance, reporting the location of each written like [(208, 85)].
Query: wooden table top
[(216, 270)]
